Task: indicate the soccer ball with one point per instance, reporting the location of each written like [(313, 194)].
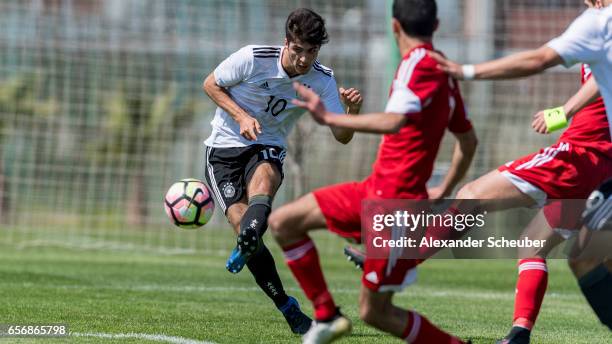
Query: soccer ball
[(189, 204)]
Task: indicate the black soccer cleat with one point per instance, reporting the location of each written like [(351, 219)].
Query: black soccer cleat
[(248, 243), (355, 256), (297, 320), (517, 335)]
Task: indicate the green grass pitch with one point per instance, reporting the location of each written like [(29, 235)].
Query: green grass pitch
[(139, 297)]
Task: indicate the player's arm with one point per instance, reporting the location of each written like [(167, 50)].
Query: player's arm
[(232, 71), (352, 99), (249, 127), (513, 66), (377, 123), (581, 42), (367, 123), (463, 153), (587, 94)]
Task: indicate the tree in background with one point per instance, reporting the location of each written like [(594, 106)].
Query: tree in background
[(22, 98), (136, 122)]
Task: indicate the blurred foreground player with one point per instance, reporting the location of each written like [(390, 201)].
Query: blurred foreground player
[(422, 104)]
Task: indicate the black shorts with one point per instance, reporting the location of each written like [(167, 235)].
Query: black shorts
[(229, 170)]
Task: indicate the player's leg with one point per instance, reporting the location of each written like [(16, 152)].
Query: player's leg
[(225, 169), (262, 175), (336, 207), (290, 225), (532, 279), (490, 192), (261, 189), (590, 261), (495, 191), (382, 277), (377, 310), (594, 277), (503, 190), (235, 212)]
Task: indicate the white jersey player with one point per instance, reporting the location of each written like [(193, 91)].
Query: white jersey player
[(245, 151)]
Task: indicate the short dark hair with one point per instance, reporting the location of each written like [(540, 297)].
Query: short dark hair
[(307, 26), (417, 17)]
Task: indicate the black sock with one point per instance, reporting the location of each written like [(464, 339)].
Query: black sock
[(263, 269), (256, 218), (596, 286), (253, 226)]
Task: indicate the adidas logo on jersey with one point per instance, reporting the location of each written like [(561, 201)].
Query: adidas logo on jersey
[(265, 86)]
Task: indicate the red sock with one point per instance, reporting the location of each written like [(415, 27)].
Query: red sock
[(530, 288), (420, 331), (303, 260)]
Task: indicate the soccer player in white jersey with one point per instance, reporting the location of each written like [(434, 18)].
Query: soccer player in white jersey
[(245, 151), (588, 40)]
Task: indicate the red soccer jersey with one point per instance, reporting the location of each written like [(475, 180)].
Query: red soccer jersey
[(432, 102), (590, 127)]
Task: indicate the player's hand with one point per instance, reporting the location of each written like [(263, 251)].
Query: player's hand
[(538, 124), (451, 68), (249, 128), (352, 99), (311, 102), (437, 193)]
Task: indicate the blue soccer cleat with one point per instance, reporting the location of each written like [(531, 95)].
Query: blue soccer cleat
[(236, 261), (297, 320)]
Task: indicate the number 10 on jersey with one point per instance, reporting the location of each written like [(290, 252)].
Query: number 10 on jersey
[(276, 107)]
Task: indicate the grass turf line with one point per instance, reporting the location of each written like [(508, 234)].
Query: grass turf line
[(193, 297)]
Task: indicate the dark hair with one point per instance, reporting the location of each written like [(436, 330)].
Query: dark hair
[(417, 17), (307, 26)]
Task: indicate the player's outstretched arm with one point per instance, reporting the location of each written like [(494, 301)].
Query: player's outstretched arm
[(352, 99), (513, 66), (463, 153), (380, 123), (249, 127), (587, 94)]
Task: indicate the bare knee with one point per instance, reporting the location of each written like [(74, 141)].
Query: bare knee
[(276, 223), (581, 267), (468, 191), (373, 312), (283, 226)]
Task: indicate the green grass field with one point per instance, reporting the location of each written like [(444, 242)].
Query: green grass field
[(140, 297)]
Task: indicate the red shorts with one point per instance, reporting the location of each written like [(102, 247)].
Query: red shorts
[(341, 206), (561, 171)]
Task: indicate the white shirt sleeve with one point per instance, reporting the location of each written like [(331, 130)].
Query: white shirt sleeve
[(234, 69), (403, 100), (331, 97), (582, 41)]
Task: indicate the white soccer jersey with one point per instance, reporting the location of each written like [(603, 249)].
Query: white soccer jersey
[(257, 82), (589, 40)]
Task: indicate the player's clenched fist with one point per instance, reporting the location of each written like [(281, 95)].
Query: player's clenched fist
[(249, 128), (352, 99)]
